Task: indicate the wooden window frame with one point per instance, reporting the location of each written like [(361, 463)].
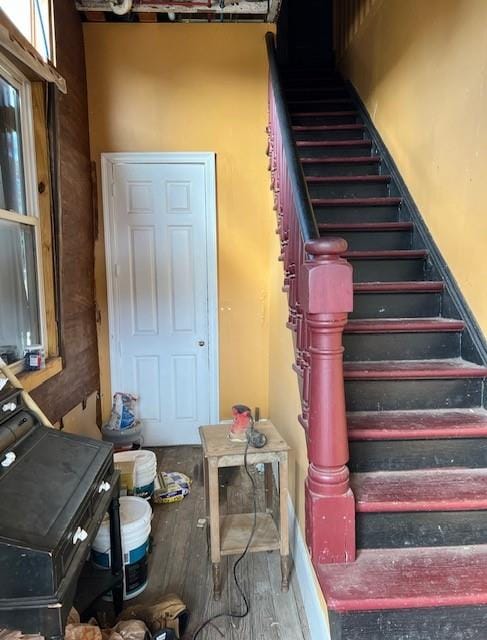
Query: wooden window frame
[(35, 155), (37, 28)]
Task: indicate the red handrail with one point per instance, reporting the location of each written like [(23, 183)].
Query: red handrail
[(318, 282)]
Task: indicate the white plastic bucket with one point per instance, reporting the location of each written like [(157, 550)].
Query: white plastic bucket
[(135, 526), (145, 470)]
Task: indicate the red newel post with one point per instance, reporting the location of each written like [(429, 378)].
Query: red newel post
[(327, 297)]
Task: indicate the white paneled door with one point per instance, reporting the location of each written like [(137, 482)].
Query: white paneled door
[(160, 243)]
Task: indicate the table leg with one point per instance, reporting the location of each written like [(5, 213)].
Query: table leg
[(283, 516), (116, 553), (269, 486), (213, 496), (217, 580)]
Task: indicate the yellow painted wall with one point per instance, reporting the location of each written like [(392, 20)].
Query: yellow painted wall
[(421, 69), (191, 87), (284, 401)]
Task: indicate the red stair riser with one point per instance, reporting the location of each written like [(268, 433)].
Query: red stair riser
[(355, 202), (347, 179), (430, 286), (427, 505), (366, 226), (342, 160), (328, 127), (402, 326)]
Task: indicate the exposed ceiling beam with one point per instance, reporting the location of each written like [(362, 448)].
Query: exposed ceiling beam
[(274, 10), (243, 6), (147, 17), (95, 16)]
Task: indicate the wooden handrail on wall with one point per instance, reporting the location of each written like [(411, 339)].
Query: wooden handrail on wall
[(318, 282)]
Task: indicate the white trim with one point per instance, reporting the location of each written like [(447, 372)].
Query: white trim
[(207, 159), (11, 74), (317, 618)]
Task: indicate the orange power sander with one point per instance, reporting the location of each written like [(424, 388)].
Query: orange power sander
[(243, 428)]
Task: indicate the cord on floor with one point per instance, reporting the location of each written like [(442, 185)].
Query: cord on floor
[(237, 562)]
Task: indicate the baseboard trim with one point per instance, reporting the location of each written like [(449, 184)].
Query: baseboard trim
[(317, 618)]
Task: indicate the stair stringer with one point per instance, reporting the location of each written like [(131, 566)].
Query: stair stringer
[(454, 304)]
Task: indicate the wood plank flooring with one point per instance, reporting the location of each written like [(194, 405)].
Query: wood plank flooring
[(179, 562)]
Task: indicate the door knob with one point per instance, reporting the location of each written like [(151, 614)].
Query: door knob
[(201, 343)]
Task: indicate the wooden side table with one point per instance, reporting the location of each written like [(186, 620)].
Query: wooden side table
[(230, 533)]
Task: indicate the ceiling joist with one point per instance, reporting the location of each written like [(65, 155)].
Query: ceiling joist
[(268, 10)]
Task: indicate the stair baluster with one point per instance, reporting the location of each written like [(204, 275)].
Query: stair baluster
[(318, 282)]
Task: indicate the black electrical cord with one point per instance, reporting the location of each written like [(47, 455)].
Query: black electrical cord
[(237, 562)]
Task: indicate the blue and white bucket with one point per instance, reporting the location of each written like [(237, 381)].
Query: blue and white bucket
[(135, 525), (145, 470)]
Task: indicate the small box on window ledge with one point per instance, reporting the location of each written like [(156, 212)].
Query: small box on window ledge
[(35, 358)]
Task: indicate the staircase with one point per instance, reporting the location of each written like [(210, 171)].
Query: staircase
[(415, 389)]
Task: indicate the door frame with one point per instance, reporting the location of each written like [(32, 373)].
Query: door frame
[(207, 159)]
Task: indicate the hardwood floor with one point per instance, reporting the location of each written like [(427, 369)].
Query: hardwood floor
[(179, 562)]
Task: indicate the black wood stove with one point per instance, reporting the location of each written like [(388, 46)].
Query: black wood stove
[(55, 489)]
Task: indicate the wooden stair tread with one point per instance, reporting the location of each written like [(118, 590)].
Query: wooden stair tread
[(356, 202), (347, 179), (330, 87), (321, 114), (404, 325), (398, 254), (413, 369), (417, 425), (322, 101), (423, 286), (334, 143), (420, 490), (366, 226), (328, 127), (407, 578), (342, 159)]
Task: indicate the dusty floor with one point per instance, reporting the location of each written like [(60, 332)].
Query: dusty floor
[(179, 563)]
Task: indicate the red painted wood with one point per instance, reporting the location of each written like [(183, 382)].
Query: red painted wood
[(327, 297), (407, 578), (329, 127), (322, 101), (348, 179), (398, 254), (394, 425), (324, 113), (327, 89), (333, 143), (404, 325), (413, 369), (424, 490), (355, 202), (342, 160), (430, 286), (366, 226)]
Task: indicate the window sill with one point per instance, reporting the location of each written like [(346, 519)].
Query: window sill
[(32, 379)]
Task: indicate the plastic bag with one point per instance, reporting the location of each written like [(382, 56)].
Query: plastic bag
[(169, 613), (171, 487), (123, 412), (130, 630), (82, 631)]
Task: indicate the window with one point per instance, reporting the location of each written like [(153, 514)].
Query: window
[(21, 309), (34, 19)]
